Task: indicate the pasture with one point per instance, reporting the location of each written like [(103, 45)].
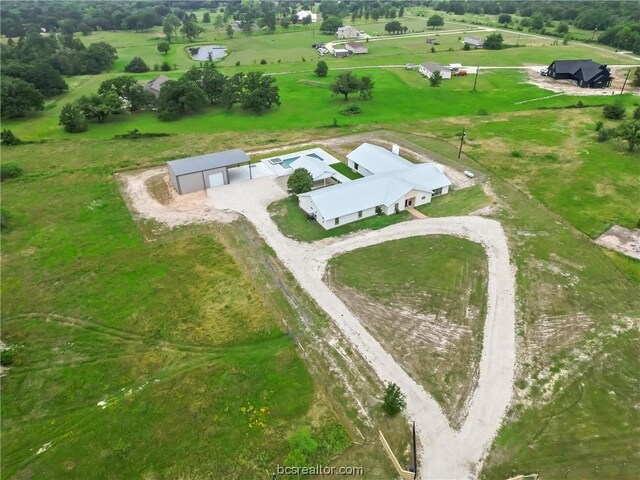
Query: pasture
[(131, 358), (181, 345), (445, 292)]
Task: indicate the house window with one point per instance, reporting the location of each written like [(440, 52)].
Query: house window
[(437, 191), (337, 221), (360, 214), (355, 166), (423, 198)]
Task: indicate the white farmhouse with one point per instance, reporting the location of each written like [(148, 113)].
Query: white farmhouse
[(302, 14), (348, 32), (429, 68), (390, 185)]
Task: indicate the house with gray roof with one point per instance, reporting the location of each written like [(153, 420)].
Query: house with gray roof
[(204, 171), (474, 41), (391, 185), (356, 48), (584, 73), (154, 85), (429, 68)]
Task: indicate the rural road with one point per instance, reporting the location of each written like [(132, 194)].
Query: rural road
[(445, 453)]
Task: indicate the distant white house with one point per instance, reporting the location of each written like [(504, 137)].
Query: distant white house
[(429, 68), (390, 185), (474, 41), (320, 171), (348, 32), (302, 14), (356, 48)]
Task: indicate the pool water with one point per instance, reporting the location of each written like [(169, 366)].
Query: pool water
[(287, 163), (207, 52)]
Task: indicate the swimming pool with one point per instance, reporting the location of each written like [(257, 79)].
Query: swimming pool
[(286, 163)]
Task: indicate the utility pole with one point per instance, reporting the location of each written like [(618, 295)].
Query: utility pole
[(476, 79), (625, 81), (595, 30), (518, 40), (462, 140), (415, 457)]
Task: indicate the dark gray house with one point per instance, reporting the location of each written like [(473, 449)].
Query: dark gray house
[(205, 171), (585, 73), (154, 85)]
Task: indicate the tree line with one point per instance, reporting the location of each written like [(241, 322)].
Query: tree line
[(200, 86)]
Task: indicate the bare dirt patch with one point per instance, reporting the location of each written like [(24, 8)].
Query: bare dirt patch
[(623, 240), (149, 200)]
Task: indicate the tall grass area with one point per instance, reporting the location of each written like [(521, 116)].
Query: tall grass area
[(555, 157), (133, 359)]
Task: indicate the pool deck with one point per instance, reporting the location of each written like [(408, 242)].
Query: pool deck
[(281, 171)]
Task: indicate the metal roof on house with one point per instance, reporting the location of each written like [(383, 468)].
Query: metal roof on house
[(155, 84), (382, 189), (432, 66), (377, 159), (317, 168), (185, 166)]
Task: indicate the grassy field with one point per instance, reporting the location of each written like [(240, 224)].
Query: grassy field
[(405, 290), (456, 202), (119, 370), (555, 157), (292, 222), (397, 92)]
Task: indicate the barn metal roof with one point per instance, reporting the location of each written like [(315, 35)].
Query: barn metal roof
[(185, 166)]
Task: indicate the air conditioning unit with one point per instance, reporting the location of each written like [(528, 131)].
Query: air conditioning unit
[(395, 149)]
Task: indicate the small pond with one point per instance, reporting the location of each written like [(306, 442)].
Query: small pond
[(207, 52)]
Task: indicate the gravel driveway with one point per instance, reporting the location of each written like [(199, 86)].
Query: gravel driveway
[(445, 453)]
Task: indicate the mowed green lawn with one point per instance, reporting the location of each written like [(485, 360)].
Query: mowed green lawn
[(293, 222), (134, 359)]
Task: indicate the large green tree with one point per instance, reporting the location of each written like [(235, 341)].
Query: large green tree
[(179, 97), (321, 69), (366, 87), (435, 21), (191, 30), (170, 26), (18, 97), (99, 107), (300, 181), (163, 47), (345, 84), (493, 41), (209, 79), (129, 91), (72, 119), (136, 65), (259, 93), (330, 25)]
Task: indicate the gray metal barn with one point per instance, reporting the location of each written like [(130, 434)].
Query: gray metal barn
[(204, 171)]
